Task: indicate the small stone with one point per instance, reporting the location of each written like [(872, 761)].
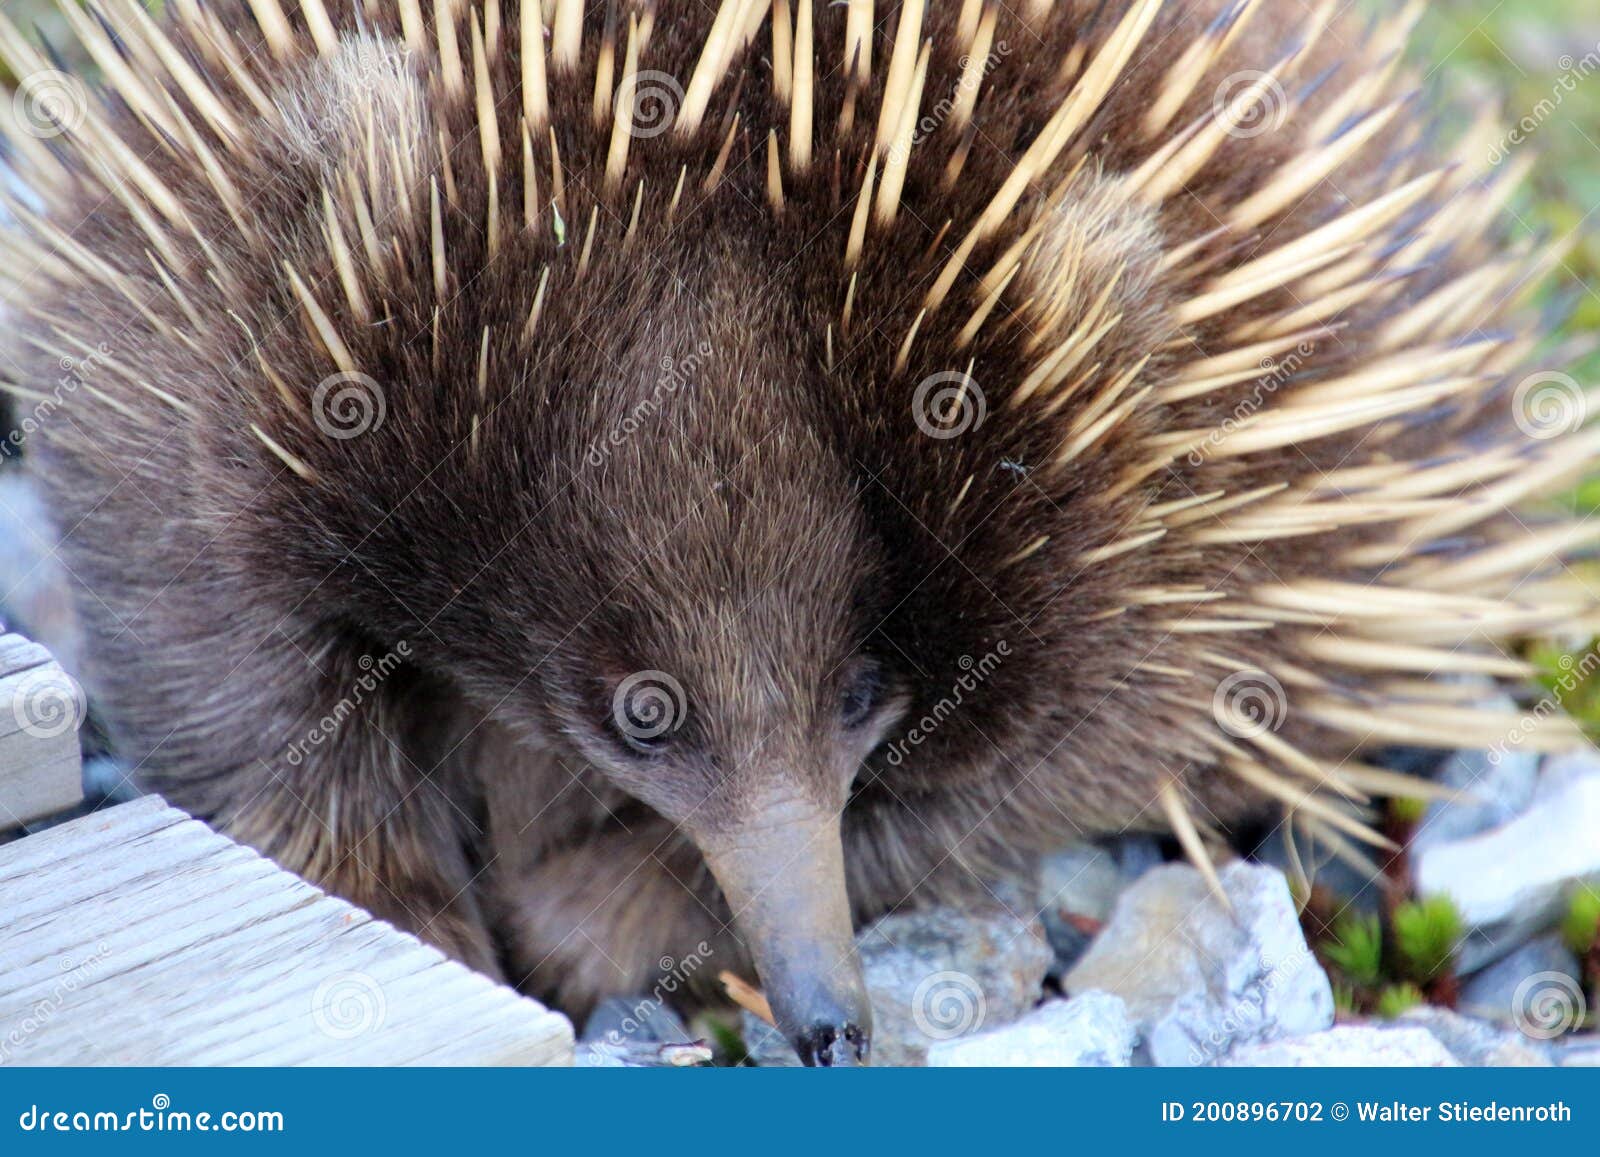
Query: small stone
[(1519, 872), (1088, 1031), (1199, 981), (1496, 787), (1348, 1046), (1474, 1043), (1502, 991), (934, 974)]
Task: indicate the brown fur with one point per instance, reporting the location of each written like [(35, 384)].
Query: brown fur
[(772, 523)]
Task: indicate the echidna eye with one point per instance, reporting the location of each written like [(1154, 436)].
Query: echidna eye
[(860, 695)]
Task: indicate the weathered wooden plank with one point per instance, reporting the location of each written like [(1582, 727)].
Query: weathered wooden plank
[(139, 936), (41, 709)]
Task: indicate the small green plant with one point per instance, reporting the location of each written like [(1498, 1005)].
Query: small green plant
[(1397, 998), (1407, 810), (1580, 927), (1426, 934), (1355, 948), (1344, 998)]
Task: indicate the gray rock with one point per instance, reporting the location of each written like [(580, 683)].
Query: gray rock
[(1578, 1052), (1088, 1031), (1199, 981), (641, 1032), (766, 1046), (1496, 787), (36, 586), (935, 974), (1078, 887), (938, 974), (1474, 1043), (1518, 873), (1355, 888), (1136, 855), (1558, 771), (1348, 1046), (1493, 993), (643, 1020)]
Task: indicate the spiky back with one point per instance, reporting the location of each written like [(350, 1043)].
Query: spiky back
[(1156, 317)]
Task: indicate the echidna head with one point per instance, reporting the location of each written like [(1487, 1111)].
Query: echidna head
[(680, 591)]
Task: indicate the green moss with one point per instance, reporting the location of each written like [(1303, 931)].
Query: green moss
[(1426, 933), (1355, 948), (1580, 927), (1397, 998), (1407, 810)]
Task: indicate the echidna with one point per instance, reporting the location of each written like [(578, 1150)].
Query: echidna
[(582, 480)]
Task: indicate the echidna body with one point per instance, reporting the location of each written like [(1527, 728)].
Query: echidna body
[(525, 455)]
